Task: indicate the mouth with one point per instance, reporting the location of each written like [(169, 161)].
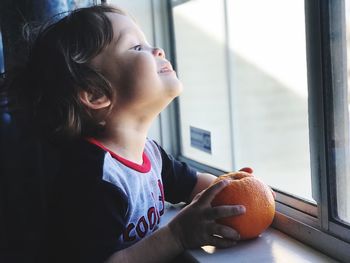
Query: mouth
[(166, 68)]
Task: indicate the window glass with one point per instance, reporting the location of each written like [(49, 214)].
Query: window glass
[(245, 99), (270, 94), (202, 67), (245, 88)]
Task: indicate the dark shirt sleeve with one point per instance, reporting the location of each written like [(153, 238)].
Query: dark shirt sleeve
[(178, 178), (86, 216)]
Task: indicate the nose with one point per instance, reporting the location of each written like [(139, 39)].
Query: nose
[(158, 52)]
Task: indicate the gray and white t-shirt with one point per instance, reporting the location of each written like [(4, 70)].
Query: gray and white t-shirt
[(102, 203)]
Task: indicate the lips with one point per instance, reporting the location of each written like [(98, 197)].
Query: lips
[(166, 67)]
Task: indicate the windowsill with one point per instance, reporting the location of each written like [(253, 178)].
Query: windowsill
[(271, 246)]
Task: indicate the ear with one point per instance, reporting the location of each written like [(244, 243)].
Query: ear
[(89, 101)]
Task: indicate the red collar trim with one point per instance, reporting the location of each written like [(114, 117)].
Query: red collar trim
[(145, 167)]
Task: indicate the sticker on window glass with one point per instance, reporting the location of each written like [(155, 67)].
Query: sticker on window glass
[(200, 139)]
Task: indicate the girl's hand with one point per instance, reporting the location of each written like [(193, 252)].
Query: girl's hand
[(195, 225)]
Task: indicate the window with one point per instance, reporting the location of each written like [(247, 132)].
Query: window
[(247, 93), (265, 85), (204, 103), (343, 175), (269, 85), (337, 117)]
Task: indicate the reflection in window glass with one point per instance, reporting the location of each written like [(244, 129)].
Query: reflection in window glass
[(268, 59)]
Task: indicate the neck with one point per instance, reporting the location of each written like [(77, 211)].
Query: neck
[(126, 138)]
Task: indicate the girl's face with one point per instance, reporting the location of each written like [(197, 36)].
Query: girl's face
[(144, 80)]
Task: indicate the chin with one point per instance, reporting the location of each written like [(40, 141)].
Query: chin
[(175, 89)]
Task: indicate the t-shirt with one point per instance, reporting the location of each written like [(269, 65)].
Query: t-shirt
[(102, 203)]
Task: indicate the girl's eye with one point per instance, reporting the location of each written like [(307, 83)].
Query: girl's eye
[(137, 48)]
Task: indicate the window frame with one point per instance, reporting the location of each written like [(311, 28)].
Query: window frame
[(335, 86), (311, 224)]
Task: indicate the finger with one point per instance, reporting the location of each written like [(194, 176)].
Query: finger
[(224, 231), (220, 242), (224, 211), (247, 170), (197, 196), (208, 195)]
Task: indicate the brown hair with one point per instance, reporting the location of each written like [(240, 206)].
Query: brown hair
[(58, 68)]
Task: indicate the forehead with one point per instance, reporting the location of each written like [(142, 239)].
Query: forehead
[(123, 25)]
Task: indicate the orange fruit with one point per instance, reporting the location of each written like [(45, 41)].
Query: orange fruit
[(256, 196)]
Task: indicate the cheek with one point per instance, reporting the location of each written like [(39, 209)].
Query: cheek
[(149, 82), (145, 67), (142, 73), (138, 75), (112, 72)]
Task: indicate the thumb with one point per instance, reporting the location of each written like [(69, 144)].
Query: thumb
[(247, 170)]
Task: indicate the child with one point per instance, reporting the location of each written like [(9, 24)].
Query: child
[(96, 85)]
